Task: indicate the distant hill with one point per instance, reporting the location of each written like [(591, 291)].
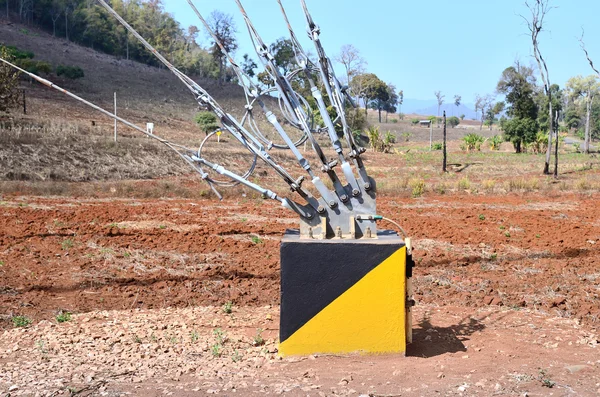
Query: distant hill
[(429, 107)]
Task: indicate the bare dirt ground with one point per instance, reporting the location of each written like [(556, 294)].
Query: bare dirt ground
[(507, 289)]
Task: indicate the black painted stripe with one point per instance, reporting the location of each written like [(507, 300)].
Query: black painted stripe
[(315, 272)]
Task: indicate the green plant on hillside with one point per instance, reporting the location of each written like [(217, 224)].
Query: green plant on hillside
[(539, 143), (63, 317), (70, 72), (414, 121), (228, 307), (10, 94), (207, 121), (437, 146), (495, 142), (20, 321), (406, 135), (374, 137), (473, 141)]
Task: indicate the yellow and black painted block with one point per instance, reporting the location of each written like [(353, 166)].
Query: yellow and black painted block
[(342, 296)]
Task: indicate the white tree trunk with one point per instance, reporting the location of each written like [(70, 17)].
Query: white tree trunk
[(586, 143)]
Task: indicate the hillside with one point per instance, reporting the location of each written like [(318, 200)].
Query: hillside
[(144, 93), (61, 139)]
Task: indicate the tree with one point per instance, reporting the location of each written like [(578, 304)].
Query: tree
[(353, 62), (440, 100), (517, 83), (383, 97), (54, 11), (248, 66), (368, 87), (400, 102), (457, 100), (493, 111), (224, 29), (539, 9), (586, 89), (9, 83), (207, 121), (453, 121)]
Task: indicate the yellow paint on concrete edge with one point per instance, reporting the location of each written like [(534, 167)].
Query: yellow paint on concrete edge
[(369, 317)]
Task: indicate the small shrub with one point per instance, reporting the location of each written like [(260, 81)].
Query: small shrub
[(256, 240), (481, 217), (488, 184), (20, 321), (18, 54), (414, 121), (228, 307), (194, 336), (394, 121), (66, 244), (495, 142), (406, 135), (70, 72), (258, 338), (441, 188), (63, 317), (473, 141), (582, 184), (464, 184), (207, 121), (236, 356), (418, 187), (437, 146)]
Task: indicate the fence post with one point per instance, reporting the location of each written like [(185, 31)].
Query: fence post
[(24, 102), (115, 116), (444, 148)]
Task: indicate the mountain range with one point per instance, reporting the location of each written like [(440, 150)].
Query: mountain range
[(430, 107)]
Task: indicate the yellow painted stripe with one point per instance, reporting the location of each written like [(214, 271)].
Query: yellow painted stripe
[(368, 317)]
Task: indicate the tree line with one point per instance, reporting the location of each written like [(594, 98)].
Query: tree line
[(86, 23)]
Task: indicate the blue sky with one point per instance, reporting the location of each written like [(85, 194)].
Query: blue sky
[(458, 47)]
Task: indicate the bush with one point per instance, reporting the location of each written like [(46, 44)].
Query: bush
[(495, 142), (19, 54), (35, 67), (207, 121), (379, 143), (540, 143), (472, 141), (437, 146), (406, 136), (453, 121), (20, 321), (414, 121), (70, 72), (394, 121)]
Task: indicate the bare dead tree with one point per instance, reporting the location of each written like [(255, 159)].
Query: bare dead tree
[(440, 100), (353, 62), (587, 55), (539, 9)]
